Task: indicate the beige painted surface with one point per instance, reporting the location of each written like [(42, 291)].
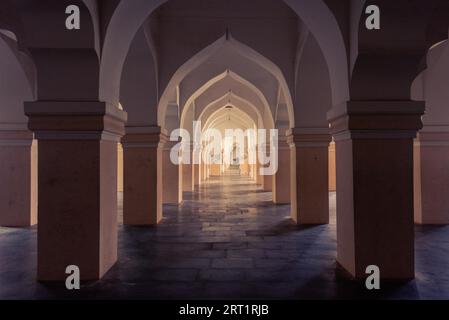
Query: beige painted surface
[(77, 208), (172, 177), (142, 201), (431, 182), (244, 169), (215, 170), (281, 180), (267, 183), (186, 177), (120, 168), (18, 192), (332, 168), (196, 176), (312, 193), (375, 188), (417, 202)]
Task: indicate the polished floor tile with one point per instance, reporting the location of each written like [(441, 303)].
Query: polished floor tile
[(227, 240)]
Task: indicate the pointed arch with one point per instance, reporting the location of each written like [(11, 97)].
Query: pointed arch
[(121, 30), (207, 52), (217, 118), (212, 107), (244, 82)]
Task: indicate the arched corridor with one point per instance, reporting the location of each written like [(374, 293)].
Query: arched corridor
[(246, 149), (227, 240)]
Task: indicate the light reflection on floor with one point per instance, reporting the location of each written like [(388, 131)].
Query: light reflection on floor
[(227, 240)]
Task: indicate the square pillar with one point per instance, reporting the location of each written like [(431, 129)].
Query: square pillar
[(18, 174), (143, 184), (187, 168), (281, 180), (332, 172), (172, 177), (265, 180), (244, 169), (187, 181), (432, 176), (77, 186), (206, 172), (120, 168), (374, 151), (259, 177), (309, 181), (254, 169), (214, 170), (196, 176), (267, 183), (196, 165), (203, 174)]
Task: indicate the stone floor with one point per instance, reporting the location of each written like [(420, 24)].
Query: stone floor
[(226, 241)]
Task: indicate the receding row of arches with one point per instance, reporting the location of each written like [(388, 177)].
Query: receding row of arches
[(138, 70)]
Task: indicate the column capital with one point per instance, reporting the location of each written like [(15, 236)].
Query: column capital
[(144, 137), (75, 120), (377, 120), (433, 136), (308, 137), (16, 138)]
